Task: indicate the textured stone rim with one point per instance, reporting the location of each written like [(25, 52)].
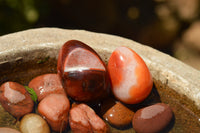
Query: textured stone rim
[(33, 43)]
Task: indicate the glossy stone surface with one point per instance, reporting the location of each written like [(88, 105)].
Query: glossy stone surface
[(46, 84), (153, 118), (33, 123), (119, 115), (83, 119), (15, 99), (54, 109), (130, 77), (83, 73)]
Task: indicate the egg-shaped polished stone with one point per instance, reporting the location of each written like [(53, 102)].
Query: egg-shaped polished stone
[(130, 77), (153, 118), (82, 72)]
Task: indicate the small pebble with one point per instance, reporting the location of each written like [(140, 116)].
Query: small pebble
[(119, 115), (153, 118)]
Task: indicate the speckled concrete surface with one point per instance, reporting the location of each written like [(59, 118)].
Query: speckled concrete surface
[(35, 43)]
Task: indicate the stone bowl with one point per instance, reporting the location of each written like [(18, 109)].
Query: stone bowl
[(27, 54)]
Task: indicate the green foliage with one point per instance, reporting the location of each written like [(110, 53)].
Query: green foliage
[(32, 93)]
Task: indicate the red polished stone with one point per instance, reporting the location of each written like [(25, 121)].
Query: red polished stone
[(152, 119), (46, 84), (15, 99), (83, 73), (130, 77)]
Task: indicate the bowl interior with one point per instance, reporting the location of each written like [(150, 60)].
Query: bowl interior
[(186, 114)]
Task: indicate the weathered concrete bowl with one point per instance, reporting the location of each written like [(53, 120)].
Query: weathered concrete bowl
[(26, 54)]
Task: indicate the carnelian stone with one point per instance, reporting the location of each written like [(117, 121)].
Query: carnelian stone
[(130, 77)]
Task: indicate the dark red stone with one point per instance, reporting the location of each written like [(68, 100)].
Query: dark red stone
[(15, 99), (153, 118), (82, 72)]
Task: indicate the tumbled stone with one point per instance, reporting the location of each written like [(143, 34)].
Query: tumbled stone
[(131, 80), (153, 118), (119, 115)]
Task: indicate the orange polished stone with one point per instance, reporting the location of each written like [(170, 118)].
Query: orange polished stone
[(119, 115), (130, 77)]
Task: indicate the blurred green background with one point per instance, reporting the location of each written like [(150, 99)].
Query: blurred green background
[(171, 26)]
